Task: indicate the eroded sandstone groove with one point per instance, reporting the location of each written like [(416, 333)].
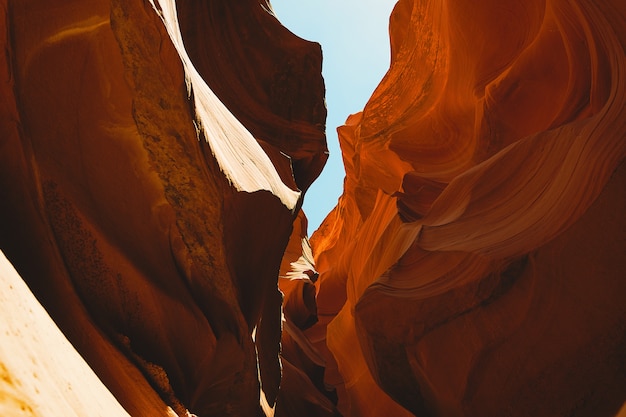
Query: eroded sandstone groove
[(477, 253), (148, 220), (153, 160)]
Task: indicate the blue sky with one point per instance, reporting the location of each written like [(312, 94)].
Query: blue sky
[(355, 43)]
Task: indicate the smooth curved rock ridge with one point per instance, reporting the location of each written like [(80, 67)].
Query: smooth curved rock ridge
[(239, 155), (478, 217), (474, 265), (39, 365), (123, 224)]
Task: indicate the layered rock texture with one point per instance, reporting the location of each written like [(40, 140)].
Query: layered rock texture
[(154, 156), (477, 254)]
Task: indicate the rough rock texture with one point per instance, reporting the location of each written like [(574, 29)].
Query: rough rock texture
[(153, 160), (477, 253), (146, 218)]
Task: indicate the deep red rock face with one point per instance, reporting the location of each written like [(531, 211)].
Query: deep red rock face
[(477, 254), (153, 160)]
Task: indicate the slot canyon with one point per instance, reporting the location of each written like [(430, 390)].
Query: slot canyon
[(154, 159)]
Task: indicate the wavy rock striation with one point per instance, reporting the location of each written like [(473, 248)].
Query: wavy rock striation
[(153, 160), (477, 253)]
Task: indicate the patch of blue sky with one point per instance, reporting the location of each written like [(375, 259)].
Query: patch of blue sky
[(355, 45)]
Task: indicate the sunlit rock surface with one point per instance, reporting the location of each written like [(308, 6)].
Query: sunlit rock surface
[(475, 264), (38, 366), (153, 157), (153, 160)]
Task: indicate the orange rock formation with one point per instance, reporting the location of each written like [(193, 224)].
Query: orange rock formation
[(477, 253), (148, 220), (153, 160)]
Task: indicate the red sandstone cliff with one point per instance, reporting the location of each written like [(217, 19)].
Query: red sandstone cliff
[(477, 253), (153, 159)]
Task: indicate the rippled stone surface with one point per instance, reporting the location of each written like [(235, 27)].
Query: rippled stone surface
[(153, 159), (477, 253)]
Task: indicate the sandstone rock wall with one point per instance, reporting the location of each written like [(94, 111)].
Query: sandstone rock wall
[(477, 253), (153, 159)]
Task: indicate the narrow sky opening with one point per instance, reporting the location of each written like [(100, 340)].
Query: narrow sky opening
[(354, 35)]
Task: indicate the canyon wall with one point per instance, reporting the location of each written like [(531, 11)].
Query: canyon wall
[(477, 253), (154, 156)]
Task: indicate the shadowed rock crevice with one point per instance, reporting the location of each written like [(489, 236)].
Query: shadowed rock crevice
[(154, 157), (149, 258)]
